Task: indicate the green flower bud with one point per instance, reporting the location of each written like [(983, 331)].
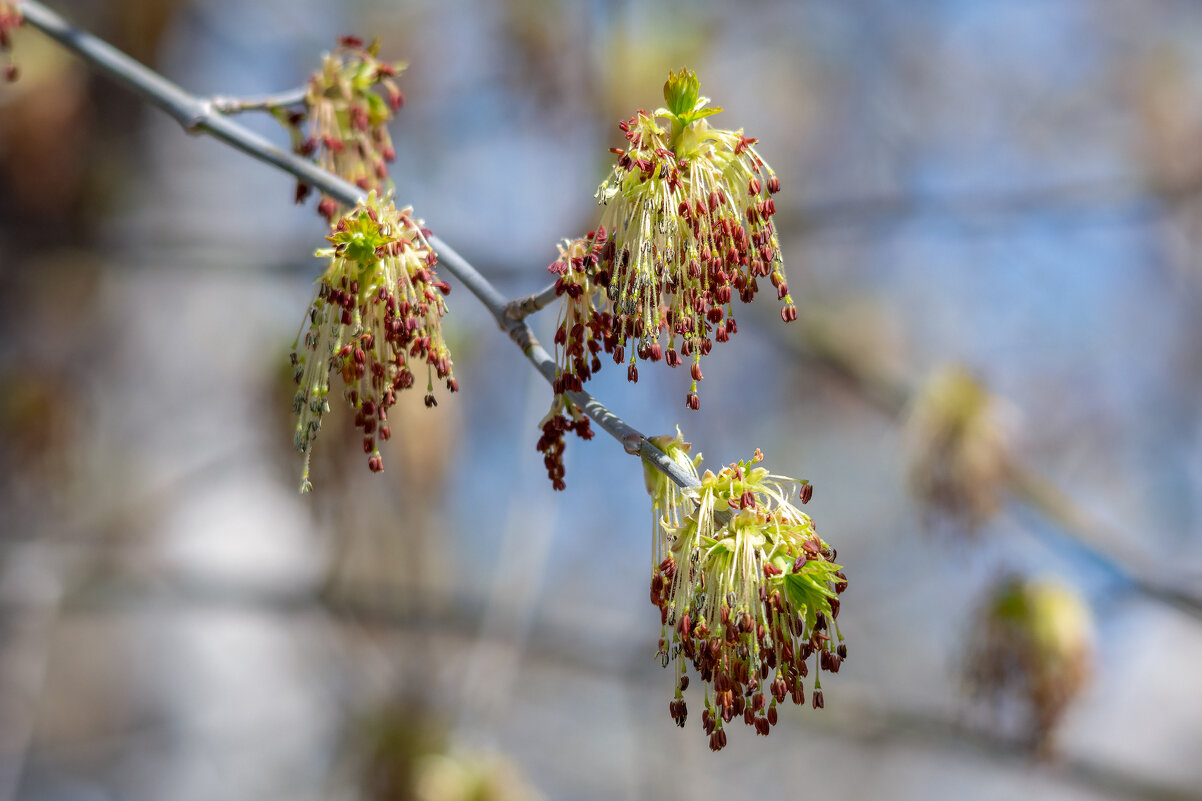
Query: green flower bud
[(681, 91)]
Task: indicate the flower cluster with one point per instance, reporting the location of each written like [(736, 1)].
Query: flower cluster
[(376, 317), (349, 118), (564, 416), (746, 589), (10, 20), (687, 226), (958, 440), (1031, 643)]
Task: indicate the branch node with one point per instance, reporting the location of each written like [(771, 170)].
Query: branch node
[(194, 122)]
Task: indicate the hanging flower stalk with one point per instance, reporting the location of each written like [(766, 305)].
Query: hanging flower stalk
[(577, 344), (686, 228), (349, 118), (746, 589), (10, 20), (375, 320)]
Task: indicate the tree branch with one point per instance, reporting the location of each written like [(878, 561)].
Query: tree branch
[(198, 115), (238, 105)]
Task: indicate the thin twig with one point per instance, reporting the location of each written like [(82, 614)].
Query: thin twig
[(198, 115), (522, 308), (238, 105)]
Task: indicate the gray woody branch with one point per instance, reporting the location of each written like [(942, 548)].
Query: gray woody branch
[(198, 115)]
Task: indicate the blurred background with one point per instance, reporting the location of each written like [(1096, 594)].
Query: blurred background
[(991, 217)]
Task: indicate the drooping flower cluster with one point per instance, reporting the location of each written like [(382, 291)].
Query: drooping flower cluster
[(10, 20), (1031, 644), (958, 441), (375, 320), (349, 118), (576, 349), (746, 589), (687, 227), (564, 416)]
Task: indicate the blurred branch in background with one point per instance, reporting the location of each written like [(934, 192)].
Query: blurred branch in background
[(611, 651), (816, 343)]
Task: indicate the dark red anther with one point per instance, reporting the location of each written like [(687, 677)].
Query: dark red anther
[(807, 492), (696, 371), (693, 401), (773, 184), (817, 699), (632, 374)]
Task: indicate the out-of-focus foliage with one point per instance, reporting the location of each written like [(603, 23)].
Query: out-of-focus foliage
[(1030, 649), (957, 438)]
